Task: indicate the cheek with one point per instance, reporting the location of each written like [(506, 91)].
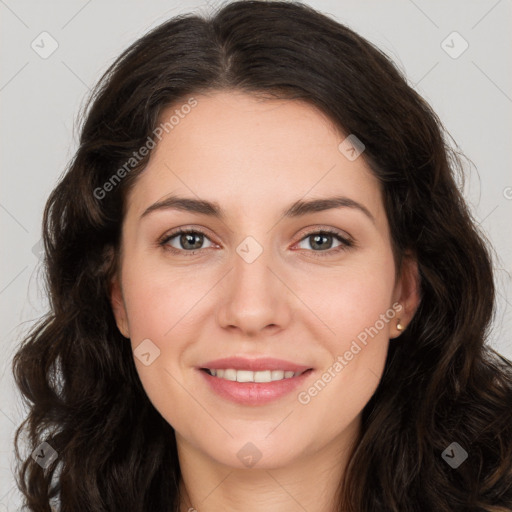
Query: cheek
[(166, 303), (356, 306), (352, 298), (159, 300), (158, 308)]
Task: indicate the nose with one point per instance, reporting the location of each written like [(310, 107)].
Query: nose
[(254, 298)]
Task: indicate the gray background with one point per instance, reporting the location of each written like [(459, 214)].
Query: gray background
[(40, 101)]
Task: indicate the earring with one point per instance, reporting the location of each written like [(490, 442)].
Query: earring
[(399, 326)]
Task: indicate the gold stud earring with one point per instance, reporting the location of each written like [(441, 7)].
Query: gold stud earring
[(399, 326)]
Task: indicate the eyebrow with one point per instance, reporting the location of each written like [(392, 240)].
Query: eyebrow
[(297, 209)]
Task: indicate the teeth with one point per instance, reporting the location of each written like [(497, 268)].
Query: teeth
[(248, 376)]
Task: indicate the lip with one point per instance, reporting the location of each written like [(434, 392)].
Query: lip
[(255, 365), (253, 393)]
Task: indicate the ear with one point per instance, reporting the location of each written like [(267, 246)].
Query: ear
[(119, 307), (407, 293)]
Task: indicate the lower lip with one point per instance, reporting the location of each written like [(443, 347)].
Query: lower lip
[(254, 393)]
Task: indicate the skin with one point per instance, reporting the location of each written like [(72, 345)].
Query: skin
[(255, 157)]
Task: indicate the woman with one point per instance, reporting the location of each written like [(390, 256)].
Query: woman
[(255, 369)]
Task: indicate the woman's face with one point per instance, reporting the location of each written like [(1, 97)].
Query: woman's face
[(257, 280)]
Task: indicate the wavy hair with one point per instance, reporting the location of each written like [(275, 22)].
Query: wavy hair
[(442, 382)]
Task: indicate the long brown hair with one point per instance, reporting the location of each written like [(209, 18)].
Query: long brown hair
[(441, 383)]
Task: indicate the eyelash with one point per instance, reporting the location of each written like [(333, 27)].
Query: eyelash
[(345, 242)]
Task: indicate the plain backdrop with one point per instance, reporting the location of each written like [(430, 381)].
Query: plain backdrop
[(469, 88)]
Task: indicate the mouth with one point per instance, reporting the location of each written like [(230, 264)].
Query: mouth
[(253, 381), (262, 376)]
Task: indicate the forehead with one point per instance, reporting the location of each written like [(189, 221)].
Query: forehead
[(251, 154)]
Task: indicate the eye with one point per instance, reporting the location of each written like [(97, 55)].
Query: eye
[(320, 242), (187, 240), (192, 240)]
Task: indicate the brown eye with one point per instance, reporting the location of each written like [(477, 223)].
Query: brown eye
[(185, 240)]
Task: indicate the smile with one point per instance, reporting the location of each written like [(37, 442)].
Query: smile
[(244, 389), (250, 376)]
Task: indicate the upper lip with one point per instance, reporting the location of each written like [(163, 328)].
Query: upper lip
[(259, 364)]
